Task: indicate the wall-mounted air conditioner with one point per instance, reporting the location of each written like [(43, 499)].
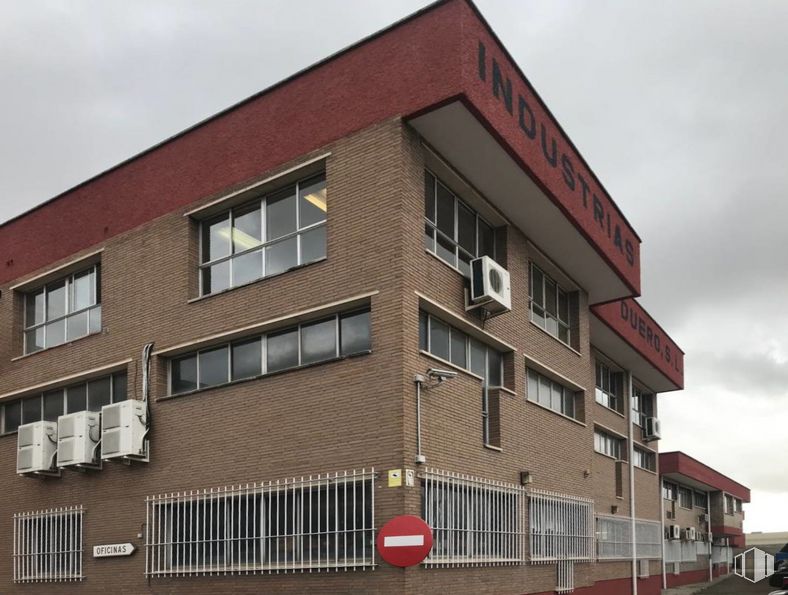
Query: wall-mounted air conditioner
[(691, 533), (490, 286), (674, 532), (78, 436), (124, 427), (653, 429), (704, 518), (36, 447)]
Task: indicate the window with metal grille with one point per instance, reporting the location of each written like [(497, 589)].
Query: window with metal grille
[(453, 231), (293, 525), (562, 527), (63, 310), (48, 545), (474, 521), (614, 538), (280, 231)]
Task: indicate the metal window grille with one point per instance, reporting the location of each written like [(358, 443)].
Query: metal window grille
[(672, 551), (614, 538), (565, 576), (292, 525), (48, 545), (721, 554), (475, 522), (702, 548), (562, 527), (688, 551)]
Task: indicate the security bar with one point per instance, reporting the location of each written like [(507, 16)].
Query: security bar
[(48, 545)]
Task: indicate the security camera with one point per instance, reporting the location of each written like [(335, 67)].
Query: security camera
[(441, 375)]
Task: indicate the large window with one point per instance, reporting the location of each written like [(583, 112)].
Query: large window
[(63, 310), (642, 405), (474, 521), (685, 497), (550, 306), (297, 525), (738, 506), (608, 444), (729, 505), (452, 230), (91, 395), (48, 545), (562, 527), (700, 500), (609, 387), (551, 394), (280, 231), (645, 459), (321, 340), (669, 491), (614, 538)]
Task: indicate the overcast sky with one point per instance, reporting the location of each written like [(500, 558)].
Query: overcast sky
[(680, 107)]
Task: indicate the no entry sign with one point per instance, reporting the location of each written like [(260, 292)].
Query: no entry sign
[(404, 541)]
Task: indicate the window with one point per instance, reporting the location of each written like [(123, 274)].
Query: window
[(453, 231), (700, 500), (669, 491), (609, 387), (63, 310), (738, 506), (728, 504), (550, 394), (685, 497), (614, 538), (453, 345), (48, 545), (562, 527), (50, 405), (550, 306), (271, 235), (609, 445), (474, 521), (645, 459), (338, 335), (291, 525), (642, 405)]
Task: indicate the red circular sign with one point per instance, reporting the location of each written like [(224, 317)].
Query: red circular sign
[(404, 541)]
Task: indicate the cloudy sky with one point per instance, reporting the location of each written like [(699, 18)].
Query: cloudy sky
[(680, 107)]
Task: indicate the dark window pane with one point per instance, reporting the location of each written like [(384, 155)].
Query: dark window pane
[(313, 244), (213, 366), (247, 359), (119, 387), (247, 267), (544, 391), (83, 292), (445, 211), (423, 331), (53, 404), (446, 250), (216, 277), (77, 325), (184, 374), (466, 228), (282, 350), (429, 237), (439, 338), (216, 238), (429, 196), (34, 308), (537, 315), (563, 306), (281, 256), (533, 386), (478, 358), (76, 398), (56, 299), (493, 368), (556, 397), (34, 340), (312, 200), (56, 333), (354, 333), (459, 354), (31, 410), (486, 240), (550, 296), (12, 415), (247, 228), (563, 333), (318, 341), (464, 263), (537, 288), (99, 393), (94, 325), (280, 213)]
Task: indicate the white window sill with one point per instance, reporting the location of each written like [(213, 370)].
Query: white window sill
[(492, 447)]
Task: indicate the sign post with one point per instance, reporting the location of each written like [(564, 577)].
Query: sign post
[(404, 541)]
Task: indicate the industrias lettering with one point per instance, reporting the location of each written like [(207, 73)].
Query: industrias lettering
[(535, 131)]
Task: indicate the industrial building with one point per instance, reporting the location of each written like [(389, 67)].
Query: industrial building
[(389, 284)]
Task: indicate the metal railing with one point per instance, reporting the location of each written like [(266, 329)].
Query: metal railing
[(565, 576), (475, 522), (48, 545), (614, 538), (562, 527), (322, 522)]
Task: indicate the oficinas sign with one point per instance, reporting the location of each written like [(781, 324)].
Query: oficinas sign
[(579, 182)]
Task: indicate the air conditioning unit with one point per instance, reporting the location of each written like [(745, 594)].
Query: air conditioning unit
[(78, 436), (691, 533), (124, 427), (704, 518), (674, 532), (490, 286), (653, 429), (643, 570), (36, 448)]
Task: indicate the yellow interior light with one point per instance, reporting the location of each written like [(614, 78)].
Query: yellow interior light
[(318, 199)]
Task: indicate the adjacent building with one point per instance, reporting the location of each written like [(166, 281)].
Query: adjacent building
[(703, 515), (387, 285)]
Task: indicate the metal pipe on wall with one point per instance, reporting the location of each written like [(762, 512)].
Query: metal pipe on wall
[(630, 388)]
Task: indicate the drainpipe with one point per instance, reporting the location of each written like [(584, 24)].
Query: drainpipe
[(708, 526), (662, 520), (632, 489), (418, 379)]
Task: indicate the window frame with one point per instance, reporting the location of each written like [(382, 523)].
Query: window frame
[(566, 393), (669, 491), (262, 204), (644, 459), (559, 291), (336, 317), (93, 309), (603, 438), (683, 491), (640, 412), (607, 397), (703, 500)]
